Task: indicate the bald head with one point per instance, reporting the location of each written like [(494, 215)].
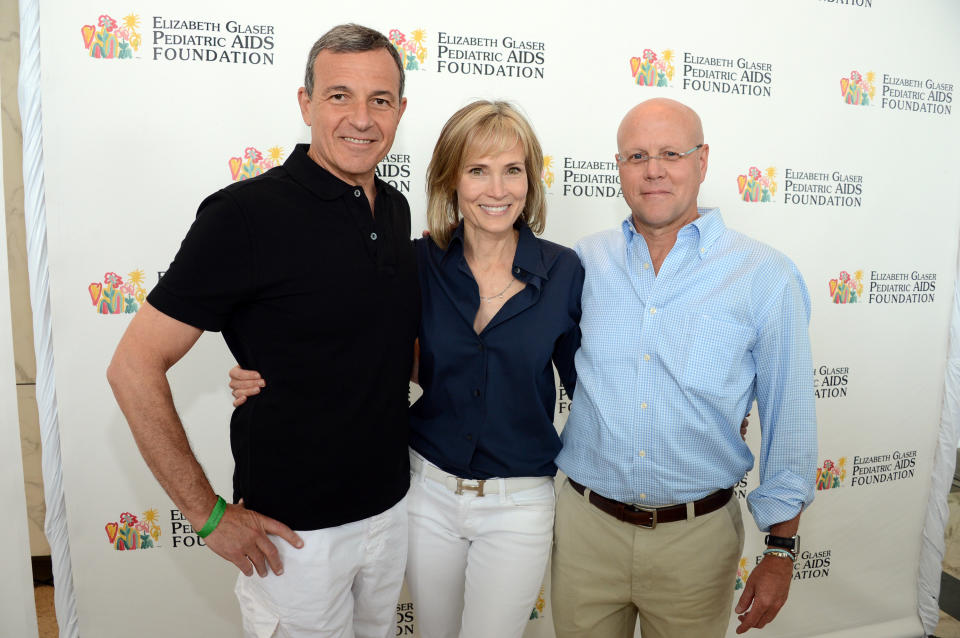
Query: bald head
[(671, 114), (661, 189)]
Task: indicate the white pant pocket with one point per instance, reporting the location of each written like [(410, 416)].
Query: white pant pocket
[(541, 495), (258, 620)]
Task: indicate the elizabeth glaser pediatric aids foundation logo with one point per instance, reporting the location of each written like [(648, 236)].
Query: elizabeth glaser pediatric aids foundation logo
[(757, 186), (858, 89), (831, 475), (412, 50), (742, 574), (108, 39), (133, 532), (652, 68), (539, 606), (846, 290), (546, 175), (114, 296), (254, 163)]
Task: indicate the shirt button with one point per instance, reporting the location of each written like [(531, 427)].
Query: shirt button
[(653, 311), (356, 193), (469, 437), (643, 406), (646, 266), (703, 250), (643, 496), (646, 357), (373, 236), (476, 392), (643, 453), (480, 347)]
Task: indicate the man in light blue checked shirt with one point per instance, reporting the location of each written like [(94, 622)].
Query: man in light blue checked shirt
[(685, 323)]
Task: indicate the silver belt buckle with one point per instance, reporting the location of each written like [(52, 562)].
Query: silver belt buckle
[(653, 515), (478, 488)]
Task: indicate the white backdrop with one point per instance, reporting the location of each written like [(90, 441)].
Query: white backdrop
[(17, 610), (150, 106)]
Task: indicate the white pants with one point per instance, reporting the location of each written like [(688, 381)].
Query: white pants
[(476, 563), (343, 583)]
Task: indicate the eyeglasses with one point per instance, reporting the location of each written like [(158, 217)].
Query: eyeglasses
[(638, 158)]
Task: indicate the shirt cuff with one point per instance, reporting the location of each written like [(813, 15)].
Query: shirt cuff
[(779, 498)]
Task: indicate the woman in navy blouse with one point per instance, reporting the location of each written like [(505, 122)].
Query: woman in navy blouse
[(501, 307)]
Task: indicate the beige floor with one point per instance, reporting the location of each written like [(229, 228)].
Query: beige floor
[(46, 617)]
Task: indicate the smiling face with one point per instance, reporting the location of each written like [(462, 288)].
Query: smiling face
[(662, 195), (492, 190), (353, 113)]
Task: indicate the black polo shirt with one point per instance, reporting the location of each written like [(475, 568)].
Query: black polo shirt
[(322, 298)]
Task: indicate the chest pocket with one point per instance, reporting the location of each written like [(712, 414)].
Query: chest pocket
[(713, 356)]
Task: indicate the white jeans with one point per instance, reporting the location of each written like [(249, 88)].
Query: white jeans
[(343, 583), (476, 563)]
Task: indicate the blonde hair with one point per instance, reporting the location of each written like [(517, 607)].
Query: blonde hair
[(481, 128)]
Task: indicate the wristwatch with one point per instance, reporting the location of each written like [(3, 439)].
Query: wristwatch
[(789, 543)]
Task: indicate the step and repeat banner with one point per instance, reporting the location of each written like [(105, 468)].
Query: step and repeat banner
[(832, 132)]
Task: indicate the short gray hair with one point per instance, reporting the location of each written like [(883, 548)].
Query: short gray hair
[(350, 38)]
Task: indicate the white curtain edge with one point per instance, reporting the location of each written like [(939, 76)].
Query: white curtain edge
[(944, 464), (55, 525)]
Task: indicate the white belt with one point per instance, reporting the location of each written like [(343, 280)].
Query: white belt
[(482, 487)]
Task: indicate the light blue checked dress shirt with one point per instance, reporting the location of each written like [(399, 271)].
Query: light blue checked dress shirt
[(670, 363)]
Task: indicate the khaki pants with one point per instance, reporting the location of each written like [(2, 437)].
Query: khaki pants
[(678, 578)]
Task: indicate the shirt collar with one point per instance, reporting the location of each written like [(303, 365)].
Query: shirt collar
[(709, 227), (319, 180), (528, 258)]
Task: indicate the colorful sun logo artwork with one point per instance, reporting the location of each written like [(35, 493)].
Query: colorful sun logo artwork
[(412, 50), (652, 69), (134, 532), (108, 39), (114, 296), (831, 474), (845, 289), (858, 89), (757, 185), (254, 163)]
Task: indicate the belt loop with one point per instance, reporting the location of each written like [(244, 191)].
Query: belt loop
[(691, 514), (503, 490), (421, 464)]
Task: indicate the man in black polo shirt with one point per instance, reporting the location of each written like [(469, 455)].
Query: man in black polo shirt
[(309, 273)]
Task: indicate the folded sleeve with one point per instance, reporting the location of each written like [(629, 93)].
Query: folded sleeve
[(786, 402)]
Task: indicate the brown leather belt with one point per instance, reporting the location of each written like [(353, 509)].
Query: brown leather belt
[(650, 517)]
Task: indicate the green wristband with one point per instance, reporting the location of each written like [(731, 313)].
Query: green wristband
[(214, 519)]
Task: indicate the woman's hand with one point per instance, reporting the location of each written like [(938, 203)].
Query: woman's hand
[(244, 383)]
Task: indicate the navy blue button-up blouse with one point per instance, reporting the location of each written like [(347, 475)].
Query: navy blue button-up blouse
[(488, 399)]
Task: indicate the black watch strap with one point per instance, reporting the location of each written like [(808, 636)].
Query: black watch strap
[(790, 543)]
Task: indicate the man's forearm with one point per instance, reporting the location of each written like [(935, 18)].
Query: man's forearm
[(137, 374), (786, 528), (148, 406)]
